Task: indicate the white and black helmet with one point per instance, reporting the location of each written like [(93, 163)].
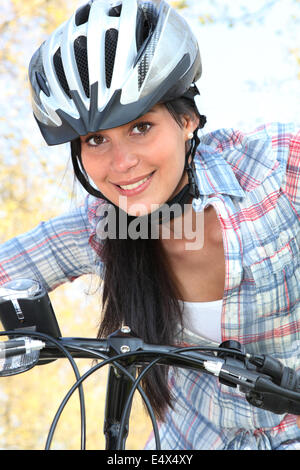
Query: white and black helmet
[(110, 63)]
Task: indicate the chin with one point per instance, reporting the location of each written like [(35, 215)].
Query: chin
[(137, 209)]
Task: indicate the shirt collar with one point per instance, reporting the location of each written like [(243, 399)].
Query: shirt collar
[(214, 174), (231, 162)]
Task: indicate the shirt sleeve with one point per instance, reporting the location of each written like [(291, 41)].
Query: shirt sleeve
[(292, 176), (53, 253)]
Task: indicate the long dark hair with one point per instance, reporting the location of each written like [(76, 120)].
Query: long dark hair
[(139, 288)]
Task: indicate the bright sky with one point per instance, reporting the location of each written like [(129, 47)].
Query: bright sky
[(249, 75)]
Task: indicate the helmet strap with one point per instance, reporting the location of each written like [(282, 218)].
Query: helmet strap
[(189, 167)]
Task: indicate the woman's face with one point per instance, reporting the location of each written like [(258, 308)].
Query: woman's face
[(139, 165)]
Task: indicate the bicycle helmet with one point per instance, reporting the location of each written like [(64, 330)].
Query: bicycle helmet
[(109, 64)]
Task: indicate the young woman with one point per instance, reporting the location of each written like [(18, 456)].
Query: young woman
[(118, 82)]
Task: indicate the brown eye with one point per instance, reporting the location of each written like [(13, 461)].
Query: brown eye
[(141, 128), (95, 140)]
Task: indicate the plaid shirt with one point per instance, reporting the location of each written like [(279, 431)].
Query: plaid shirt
[(252, 181)]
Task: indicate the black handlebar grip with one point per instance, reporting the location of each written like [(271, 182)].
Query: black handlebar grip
[(274, 401), (290, 380)]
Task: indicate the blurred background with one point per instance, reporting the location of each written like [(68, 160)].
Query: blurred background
[(251, 75)]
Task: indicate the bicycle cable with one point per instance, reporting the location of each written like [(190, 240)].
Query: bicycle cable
[(263, 383), (107, 361), (136, 384), (73, 365)]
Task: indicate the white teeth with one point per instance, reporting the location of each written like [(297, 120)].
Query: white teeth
[(135, 185)]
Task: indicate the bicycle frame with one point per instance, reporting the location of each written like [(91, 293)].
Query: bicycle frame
[(118, 390)]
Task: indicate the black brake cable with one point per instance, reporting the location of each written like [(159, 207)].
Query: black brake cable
[(108, 361), (136, 382), (175, 353), (74, 366), (129, 400), (112, 360)]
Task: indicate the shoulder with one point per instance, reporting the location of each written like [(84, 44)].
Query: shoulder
[(91, 208), (278, 133), (95, 211), (253, 155)]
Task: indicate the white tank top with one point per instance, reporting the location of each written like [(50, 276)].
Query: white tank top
[(203, 318)]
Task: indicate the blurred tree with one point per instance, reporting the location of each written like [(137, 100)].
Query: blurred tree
[(296, 54), (24, 160), (179, 4)]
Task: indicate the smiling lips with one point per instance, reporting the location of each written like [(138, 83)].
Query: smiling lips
[(135, 187)]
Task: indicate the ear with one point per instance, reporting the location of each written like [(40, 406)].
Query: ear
[(189, 125)]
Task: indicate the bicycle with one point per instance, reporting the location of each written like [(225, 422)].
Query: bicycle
[(34, 336)]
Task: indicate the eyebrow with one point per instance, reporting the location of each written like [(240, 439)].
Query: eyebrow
[(151, 111)]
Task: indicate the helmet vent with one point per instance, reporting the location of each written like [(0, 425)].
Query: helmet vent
[(80, 50), (82, 15), (115, 11), (42, 83), (111, 39), (145, 29), (59, 69)]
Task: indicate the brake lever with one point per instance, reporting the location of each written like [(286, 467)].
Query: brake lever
[(266, 382), (233, 372)]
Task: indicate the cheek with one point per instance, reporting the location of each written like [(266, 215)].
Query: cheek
[(92, 167), (85, 161), (175, 158), (171, 151)]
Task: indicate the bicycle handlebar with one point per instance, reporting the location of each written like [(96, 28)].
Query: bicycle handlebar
[(26, 311), (252, 373), (265, 382)]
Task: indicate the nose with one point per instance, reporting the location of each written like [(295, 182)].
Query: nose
[(123, 157)]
